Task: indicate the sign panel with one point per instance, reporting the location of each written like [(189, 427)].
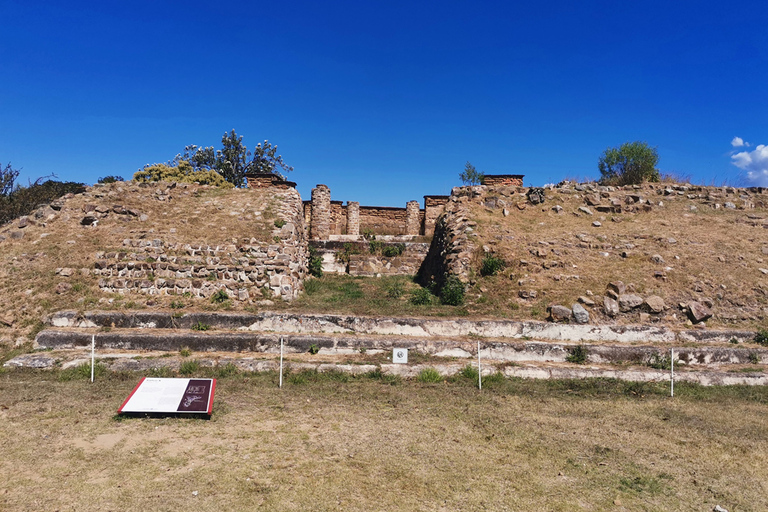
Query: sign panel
[(158, 395), (400, 355)]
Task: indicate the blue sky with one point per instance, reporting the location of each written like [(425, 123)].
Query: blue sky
[(384, 102)]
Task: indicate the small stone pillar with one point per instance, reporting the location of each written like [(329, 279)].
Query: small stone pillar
[(320, 226), (353, 218), (412, 221)]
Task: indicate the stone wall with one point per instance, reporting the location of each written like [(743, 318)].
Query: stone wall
[(242, 269), (505, 180), (452, 245), (356, 259), (433, 208), (266, 180), (379, 220), (374, 265)]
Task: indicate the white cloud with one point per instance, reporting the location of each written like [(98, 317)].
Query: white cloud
[(737, 142), (754, 163)]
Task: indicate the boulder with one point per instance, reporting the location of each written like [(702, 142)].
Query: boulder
[(558, 313), (617, 287), (629, 301), (654, 304), (580, 314), (656, 258), (698, 312)]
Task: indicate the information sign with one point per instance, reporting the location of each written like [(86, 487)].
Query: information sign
[(400, 355), (157, 395)]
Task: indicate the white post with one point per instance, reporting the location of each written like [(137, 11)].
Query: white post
[(93, 353), (479, 370), (281, 362), (671, 372)]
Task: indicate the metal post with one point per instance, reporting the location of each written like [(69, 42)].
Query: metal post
[(281, 362), (93, 354), (479, 370), (671, 372)]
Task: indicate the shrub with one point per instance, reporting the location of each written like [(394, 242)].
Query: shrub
[(314, 349), (24, 200), (182, 173), (200, 326), (491, 265), (110, 179), (374, 246), (761, 337), (577, 354), (392, 251), (754, 358), (315, 266), (430, 375), (368, 234), (421, 297), (452, 292)]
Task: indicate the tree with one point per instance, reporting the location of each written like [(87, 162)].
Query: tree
[(629, 164), (234, 160), (8, 177), (471, 176)]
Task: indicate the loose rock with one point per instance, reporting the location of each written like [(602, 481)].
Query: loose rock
[(580, 314), (698, 312), (558, 313), (629, 301)]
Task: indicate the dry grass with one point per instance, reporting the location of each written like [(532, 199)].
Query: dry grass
[(338, 443), (193, 214), (718, 252)]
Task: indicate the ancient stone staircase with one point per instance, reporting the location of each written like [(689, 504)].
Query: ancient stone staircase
[(144, 340)]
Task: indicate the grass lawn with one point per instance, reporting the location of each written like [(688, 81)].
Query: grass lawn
[(334, 442)]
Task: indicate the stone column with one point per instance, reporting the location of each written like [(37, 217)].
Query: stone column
[(412, 224), (353, 218), (320, 225)]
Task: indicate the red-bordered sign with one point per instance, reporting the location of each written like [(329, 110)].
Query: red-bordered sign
[(159, 395)]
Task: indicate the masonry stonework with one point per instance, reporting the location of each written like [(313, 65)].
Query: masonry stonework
[(412, 218), (353, 218), (320, 224)]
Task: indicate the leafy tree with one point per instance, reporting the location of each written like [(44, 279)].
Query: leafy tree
[(631, 163), (234, 160), (8, 177), (471, 176), (181, 173)]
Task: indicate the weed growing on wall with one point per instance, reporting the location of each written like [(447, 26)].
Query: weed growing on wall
[(219, 297), (577, 354), (315, 266), (392, 251)]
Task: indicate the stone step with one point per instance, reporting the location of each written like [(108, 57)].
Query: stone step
[(414, 327), (128, 361), (506, 350)]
